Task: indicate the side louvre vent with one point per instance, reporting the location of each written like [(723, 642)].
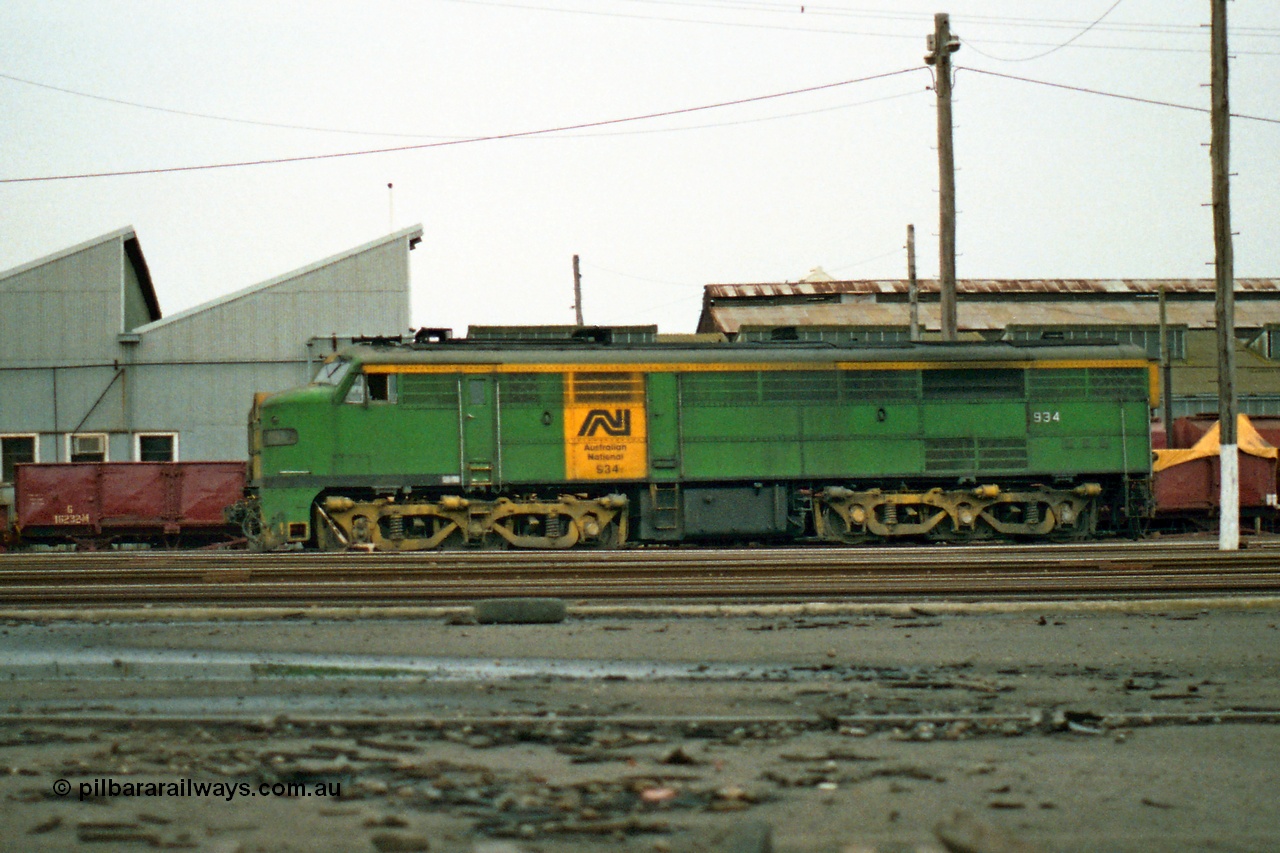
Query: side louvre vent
[(592, 388), (721, 388), (1004, 454), (427, 391), (1065, 384), (948, 454), (961, 455), (530, 389), (1091, 383), (872, 386), (995, 384), (799, 386), (1117, 383)]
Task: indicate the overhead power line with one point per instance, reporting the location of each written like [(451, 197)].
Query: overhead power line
[(793, 13), (1059, 47), (1117, 95), (793, 9), (316, 129), (193, 114), (467, 140)]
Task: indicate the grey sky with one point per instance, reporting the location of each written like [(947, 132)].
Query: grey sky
[(1051, 183)]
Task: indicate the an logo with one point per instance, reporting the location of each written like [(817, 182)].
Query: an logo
[(617, 422)]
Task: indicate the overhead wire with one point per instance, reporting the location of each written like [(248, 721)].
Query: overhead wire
[(596, 12), (817, 9), (1116, 95), (757, 120), (212, 116), (317, 129), (1051, 50), (452, 142)]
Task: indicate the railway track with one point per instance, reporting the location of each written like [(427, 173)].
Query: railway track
[(134, 578)]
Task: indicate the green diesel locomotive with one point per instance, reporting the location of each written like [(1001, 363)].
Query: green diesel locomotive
[(446, 443)]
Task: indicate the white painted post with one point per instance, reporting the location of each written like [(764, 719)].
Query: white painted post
[(1229, 517)]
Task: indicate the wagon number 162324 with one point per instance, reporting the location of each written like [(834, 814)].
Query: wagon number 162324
[(1046, 417)]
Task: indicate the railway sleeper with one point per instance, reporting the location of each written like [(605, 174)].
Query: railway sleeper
[(385, 524), (846, 515)]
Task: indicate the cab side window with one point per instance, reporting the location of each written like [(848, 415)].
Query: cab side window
[(382, 387), (358, 392)]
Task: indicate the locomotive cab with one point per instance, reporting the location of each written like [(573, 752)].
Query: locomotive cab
[(291, 450)]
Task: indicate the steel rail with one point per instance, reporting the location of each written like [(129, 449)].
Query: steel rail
[(548, 560), (461, 582), (657, 576)]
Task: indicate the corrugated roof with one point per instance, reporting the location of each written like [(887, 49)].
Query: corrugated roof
[(729, 317), (991, 303), (132, 249), (413, 234), (1136, 286)]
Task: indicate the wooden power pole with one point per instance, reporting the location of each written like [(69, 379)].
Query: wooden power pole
[(1224, 305), (941, 46), (913, 287), (1166, 371), (577, 292)]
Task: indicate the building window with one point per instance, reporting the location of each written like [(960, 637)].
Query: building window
[(87, 447), (155, 447), (15, 449), (1147, 337)]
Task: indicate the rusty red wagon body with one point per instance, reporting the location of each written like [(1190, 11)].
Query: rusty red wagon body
[(98, 503)]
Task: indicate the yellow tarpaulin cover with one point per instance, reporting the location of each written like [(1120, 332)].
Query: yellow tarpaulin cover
[(1247, 438)]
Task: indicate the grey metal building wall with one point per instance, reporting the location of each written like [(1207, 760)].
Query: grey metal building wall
[(60, 321), (365, 290), (82, 348), (66, 308)]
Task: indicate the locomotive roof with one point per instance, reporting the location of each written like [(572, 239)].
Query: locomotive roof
[(560, 352)]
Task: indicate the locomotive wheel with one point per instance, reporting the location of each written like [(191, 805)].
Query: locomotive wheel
[(836, 533), (326, 539), (608, 540), (979, 532), (453, 542)]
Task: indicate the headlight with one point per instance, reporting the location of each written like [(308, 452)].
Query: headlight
[(279, 437)]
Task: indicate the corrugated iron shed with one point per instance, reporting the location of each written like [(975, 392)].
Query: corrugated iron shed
[(84, 350), (984, 304), (100, 289), (364, 290)]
